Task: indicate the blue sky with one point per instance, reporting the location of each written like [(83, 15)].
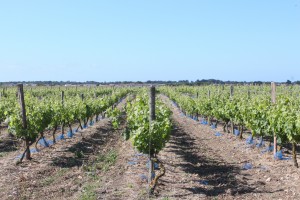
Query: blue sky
[(149, 40)]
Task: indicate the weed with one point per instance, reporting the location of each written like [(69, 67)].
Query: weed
[(61, 172), (79, 154), (143, 193), (49, 180), (106, 161), (89, 193), (2, 154)]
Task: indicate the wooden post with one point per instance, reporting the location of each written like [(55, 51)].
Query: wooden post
[(62, 97), (62, 102), (208, 117), (242, 127), (151, 119), (152, 103), (273, 96), (197, 114), (249, 94), (3, 92), (24, 120), (22, 104), (231, 97)]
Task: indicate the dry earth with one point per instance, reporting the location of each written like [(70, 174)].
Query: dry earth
[(201, 165), (102, 165)]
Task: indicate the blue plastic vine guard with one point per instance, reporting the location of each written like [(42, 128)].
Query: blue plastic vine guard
[(278, 155), (203, 182), (247, 166), (43, 142), (70, 134), (260, 143), (249, 140), (268, 149), (153, 175), (155, 165), (34, 150), (143, 177), (236, 132), (60, 137), (50, 142), (131, 163), (218, 134)]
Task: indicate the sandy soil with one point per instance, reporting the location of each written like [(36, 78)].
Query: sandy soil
[(201, 165), (102, 165), (94, 166)]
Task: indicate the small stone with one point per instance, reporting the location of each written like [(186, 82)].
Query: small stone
[(202, 195), (103, 191), (268, 179), (74, 188), (229, 191)]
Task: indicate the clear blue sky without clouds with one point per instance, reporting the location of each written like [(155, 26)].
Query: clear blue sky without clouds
[(149, 40)]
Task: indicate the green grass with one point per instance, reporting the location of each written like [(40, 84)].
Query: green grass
[(78, 154), (51, 179), (89, 193), (106, 161), (2, 154), (48, 181), (103, 163)]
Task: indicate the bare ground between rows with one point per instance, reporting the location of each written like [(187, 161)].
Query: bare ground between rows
[(200, 165), (128, 178), (55, 172), (93, 167)]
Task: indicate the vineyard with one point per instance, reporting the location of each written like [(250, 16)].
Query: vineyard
[(168, 142), (245, 108)]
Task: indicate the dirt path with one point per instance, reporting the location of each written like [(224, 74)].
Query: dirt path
[(56, 172), (128, 177), (90, 167), (201, 165)]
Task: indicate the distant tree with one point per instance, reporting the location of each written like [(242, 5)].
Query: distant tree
[(288, 82)]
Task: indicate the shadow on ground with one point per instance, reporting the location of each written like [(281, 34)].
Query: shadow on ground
[(83, 149), (8, 144), (219, 175)]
